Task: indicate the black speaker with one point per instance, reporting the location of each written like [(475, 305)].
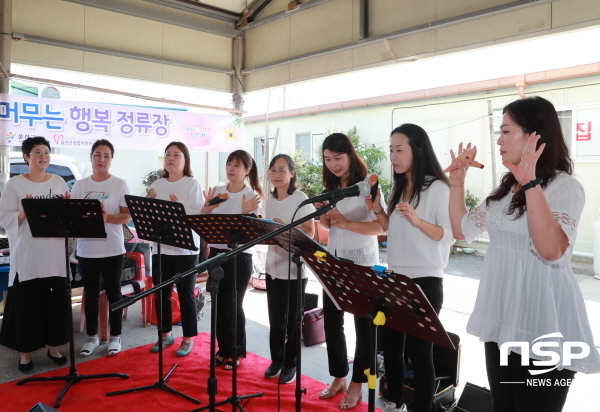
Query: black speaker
[(42, 407), (475, 399)]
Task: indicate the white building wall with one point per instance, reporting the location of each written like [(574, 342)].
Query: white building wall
[(449, 121)]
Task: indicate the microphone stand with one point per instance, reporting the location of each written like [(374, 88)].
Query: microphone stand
[(219, 259)]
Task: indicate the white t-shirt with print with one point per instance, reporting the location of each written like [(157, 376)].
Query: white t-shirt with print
[(189, 193), (32, 257), (111, 192)]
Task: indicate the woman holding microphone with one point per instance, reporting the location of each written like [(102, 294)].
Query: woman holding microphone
[(242, 199)]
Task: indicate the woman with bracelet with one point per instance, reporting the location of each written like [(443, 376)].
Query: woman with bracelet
[(243, 199), (528, 290), (37, 304), (178, 185), (103, 258), (353, 231), (419, 240), (281, 289)]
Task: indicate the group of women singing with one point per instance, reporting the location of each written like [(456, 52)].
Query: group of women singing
[(527, 287)]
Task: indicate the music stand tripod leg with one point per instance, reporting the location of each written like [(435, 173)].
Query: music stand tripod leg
[(162, 380), (72, 377)]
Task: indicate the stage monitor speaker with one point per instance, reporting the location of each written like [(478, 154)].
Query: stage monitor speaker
[(42, 407), (475, 399)]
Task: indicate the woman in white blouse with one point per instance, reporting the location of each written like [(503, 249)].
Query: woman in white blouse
[(419, 241), (353, 230), (528, 292)]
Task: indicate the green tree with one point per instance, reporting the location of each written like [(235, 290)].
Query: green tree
[(309, 172)]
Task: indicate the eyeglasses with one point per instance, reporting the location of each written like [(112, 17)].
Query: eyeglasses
[(277, 172), (39, 153), (99, 156)]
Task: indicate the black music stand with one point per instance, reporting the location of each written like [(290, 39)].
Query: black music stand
[(388, 299), (293, 241), (230, 230), (160, 221), (66, 218)]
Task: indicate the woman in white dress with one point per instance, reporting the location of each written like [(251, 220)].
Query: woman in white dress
[(103, 258), (37, 306), (528, 292)]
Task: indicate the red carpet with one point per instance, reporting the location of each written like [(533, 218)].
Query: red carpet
[(190, 377)]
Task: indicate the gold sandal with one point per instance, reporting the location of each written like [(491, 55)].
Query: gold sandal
[(328, 393)]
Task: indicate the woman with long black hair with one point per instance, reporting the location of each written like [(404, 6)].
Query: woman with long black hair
[(419, 240)]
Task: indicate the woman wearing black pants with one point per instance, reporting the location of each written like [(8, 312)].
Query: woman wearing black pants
[(178, 185), (241, 199), (102, 259), (419, 239)]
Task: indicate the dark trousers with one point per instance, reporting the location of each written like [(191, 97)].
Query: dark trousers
[(36, 314), (419, 351), (225, 297), (172, 265), (282, 319), (337, 352), (110, 270), (512, 397)]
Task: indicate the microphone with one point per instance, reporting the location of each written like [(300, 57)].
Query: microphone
[(360, 189), (221, 197)]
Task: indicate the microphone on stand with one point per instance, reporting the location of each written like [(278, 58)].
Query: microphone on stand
[(360, 189)]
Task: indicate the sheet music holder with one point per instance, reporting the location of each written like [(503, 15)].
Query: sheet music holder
[(293, 241), (369, 294), (160, 221), (66, 218), (232, 230)]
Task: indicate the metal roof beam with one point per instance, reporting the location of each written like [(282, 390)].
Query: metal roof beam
[(135, 11), (492, 11), (201, 9), (285, 13), (119, 53)]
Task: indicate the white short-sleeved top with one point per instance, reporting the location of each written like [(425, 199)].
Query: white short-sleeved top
[(233, 206), (277, 257), (410, 251), (111, 192), (31, 257), (189, 193), (362, 249), (523, 296)]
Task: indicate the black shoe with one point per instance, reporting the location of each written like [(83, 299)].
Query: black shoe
[(26, 367), (273, 370), (288, 375), (61, 360)]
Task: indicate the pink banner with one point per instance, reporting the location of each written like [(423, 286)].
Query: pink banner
[(79, 124)]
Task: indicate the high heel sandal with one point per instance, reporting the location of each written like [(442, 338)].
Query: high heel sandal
[(347, 404), (229, 364), (219, 360), (328, 393)]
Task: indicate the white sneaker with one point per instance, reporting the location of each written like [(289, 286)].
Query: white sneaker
[(88, 348), (391, 407), (114, 346)]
